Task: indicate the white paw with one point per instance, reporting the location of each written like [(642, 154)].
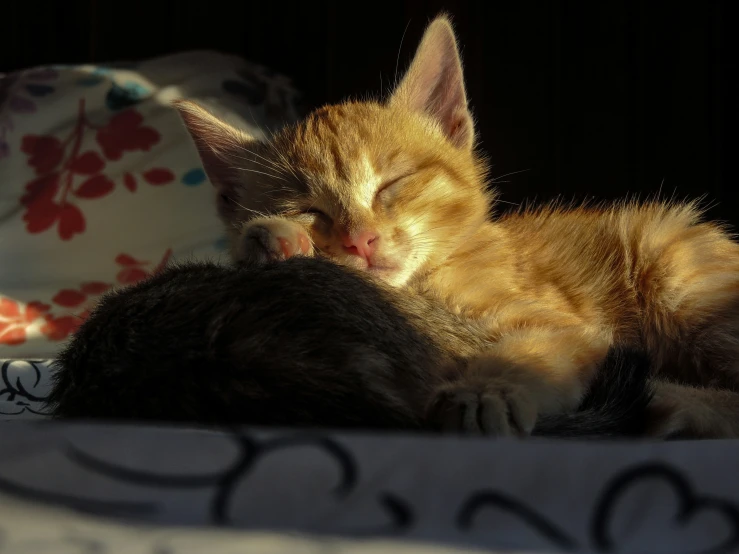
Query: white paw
[(496, 408), (276, 239)]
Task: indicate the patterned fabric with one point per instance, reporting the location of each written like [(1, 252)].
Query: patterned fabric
[(24, 387), (505, 495), (100, 184)]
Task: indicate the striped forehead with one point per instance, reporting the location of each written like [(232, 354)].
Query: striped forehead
[(366, 182), (354, 188)]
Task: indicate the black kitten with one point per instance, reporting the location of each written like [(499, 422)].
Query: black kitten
[(302, 342)]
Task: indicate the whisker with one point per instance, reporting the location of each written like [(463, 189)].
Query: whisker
[(260, 173), (415, 236), (253, 161), (400, 49), (285, 162), (495, 179), (271, 163), (255, 212)]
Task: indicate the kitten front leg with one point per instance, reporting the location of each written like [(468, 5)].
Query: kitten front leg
[(528, 373), (272, 239)]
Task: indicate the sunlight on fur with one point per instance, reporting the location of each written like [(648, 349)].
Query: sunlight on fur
[(397, 188)]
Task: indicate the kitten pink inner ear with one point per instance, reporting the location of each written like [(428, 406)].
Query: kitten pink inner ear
[(218, 143), (434, 84)]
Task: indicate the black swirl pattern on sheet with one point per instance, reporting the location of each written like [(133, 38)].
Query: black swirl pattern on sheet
[(25, 386), (483, 499), (223, 482), (689, 505), (401, 517)]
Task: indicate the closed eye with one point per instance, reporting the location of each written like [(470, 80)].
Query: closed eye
[(318, 213), (385, 186)]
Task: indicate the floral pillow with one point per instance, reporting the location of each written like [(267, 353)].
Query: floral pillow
[(100, 184)]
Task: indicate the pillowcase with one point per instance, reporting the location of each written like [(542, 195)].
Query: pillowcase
[(100, 184)]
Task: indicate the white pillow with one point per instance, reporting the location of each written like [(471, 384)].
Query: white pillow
[(100, 183)]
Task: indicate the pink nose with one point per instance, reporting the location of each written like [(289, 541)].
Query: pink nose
[(362, 244)]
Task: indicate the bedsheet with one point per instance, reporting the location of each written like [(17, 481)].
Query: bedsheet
[(153, 487)]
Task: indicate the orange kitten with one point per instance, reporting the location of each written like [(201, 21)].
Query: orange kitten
[(397, 188)]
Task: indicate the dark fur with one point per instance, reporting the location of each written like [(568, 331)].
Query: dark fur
[(297, 343), (616, 403)]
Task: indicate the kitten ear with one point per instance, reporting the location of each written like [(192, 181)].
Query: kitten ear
[(434, 83), (219, 144)]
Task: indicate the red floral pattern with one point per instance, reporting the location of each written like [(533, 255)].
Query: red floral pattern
[(65, 174), (124, 133), (16, 318)]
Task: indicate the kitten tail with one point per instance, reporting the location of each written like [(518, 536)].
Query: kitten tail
[(615, 406)]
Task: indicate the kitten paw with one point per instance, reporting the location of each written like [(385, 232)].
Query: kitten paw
[(274, 239), (494, 408)]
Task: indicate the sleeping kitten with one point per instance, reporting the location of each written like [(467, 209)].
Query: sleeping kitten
[(397, 189), (299, 343)]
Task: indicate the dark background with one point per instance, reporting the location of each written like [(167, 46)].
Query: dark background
[(587, 99)]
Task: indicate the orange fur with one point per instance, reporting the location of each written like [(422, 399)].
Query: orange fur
[(555, 287)]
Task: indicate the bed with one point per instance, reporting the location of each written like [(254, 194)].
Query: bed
[(99, 186)]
